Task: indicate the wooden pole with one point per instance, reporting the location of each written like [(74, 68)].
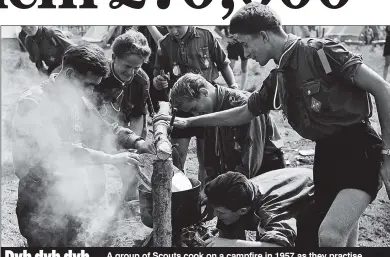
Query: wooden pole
[(162, 183), (160, 132)]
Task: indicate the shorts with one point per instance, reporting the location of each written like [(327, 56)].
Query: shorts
[(235, 50), (197, 132), (349, 159)]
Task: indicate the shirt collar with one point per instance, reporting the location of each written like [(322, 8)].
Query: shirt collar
[(289, 56), (257, 200), (123, 83), (191, 33), (51, 86)]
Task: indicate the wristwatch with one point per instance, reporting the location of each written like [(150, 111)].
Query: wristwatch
[(386, 152)]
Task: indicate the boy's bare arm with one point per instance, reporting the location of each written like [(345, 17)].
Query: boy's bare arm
[(371, 82), (156, 35), (232, 117), (228, 75)]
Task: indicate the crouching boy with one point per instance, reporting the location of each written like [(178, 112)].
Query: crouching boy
[(273, 204)]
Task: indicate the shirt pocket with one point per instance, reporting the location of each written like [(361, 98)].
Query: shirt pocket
[(316, 96), (204, 58)]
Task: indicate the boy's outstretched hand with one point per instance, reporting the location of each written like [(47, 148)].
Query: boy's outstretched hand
[(178, 123)]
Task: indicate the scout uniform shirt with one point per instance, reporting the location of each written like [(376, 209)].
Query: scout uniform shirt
[(53, 124), (279, 197), (119, 101), (198, 52), (49, 148), (48, 45), (239, 148), (70, 123), (314, 86)]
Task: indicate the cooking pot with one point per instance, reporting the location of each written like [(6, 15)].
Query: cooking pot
[(185, 206)]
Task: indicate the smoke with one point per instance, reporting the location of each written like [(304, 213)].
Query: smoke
[(77, 201)]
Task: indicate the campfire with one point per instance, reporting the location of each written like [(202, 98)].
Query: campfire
[(196, 235), (187, 228), (192, 236), (169, 201)]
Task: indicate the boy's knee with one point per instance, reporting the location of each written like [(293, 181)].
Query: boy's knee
[(331, 236)]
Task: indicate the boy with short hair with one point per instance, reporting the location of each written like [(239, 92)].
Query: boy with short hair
[(271, 204)]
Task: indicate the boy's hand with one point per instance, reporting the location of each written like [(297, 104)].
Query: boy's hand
[(146, 147), (125, 157), (161, 81)]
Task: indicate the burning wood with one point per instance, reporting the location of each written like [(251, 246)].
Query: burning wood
[(193, 236), (196, 235)]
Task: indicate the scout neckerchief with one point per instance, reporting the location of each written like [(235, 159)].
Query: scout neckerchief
[(182, 57), (117, 102), (292, 40)]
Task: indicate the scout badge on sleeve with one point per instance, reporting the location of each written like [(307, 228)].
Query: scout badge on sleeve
[(176, 69)]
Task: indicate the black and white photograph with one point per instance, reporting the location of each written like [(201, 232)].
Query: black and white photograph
[(252, 134)]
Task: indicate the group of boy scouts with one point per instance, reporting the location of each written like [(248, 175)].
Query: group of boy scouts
[(92, 112)]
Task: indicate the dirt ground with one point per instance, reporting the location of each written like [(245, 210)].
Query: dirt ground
[(126, 229)]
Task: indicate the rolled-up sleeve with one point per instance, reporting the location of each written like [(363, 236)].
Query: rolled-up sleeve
[(343, 62), (218, 55), (261, 101)]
